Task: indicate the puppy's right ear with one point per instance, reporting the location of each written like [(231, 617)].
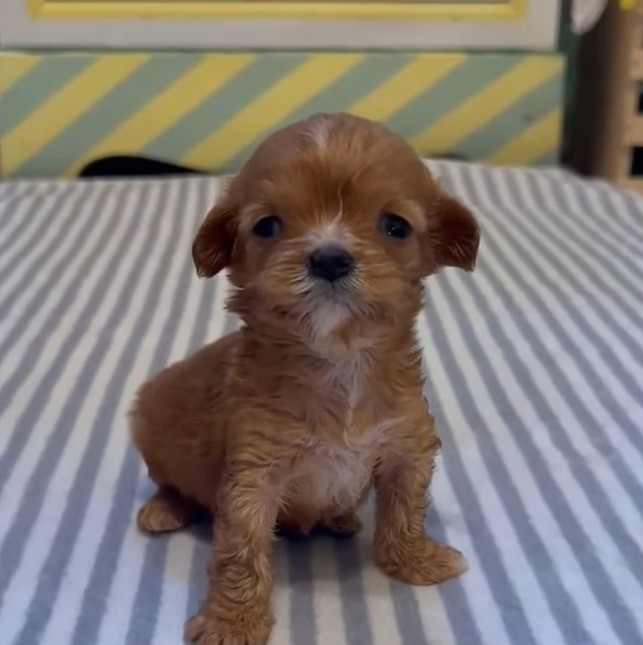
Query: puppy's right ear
[(212, 248)]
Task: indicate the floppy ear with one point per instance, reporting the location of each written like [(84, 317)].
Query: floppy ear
[(212, 248), (455, 234)]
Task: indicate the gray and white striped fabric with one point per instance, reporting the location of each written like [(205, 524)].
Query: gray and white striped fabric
[(535, 375)]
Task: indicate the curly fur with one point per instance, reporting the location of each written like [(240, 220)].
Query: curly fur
[(318, 398)]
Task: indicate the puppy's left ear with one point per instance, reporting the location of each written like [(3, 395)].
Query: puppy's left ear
[(454, 234), (214, 241)]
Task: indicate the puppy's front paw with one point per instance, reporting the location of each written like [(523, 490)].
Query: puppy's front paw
[(213, 627), (423, 562)]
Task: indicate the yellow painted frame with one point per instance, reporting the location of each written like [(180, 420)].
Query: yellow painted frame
[(357, 9)]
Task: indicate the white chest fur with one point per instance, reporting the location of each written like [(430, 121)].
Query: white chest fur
[(337, 475)]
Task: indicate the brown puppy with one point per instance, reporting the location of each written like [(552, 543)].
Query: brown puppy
[(327, 232)]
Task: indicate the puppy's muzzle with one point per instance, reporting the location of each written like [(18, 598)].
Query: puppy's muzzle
[(330, 263)]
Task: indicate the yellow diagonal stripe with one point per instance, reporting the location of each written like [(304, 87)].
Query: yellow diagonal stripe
[(13, 67), (165, 109), (485, 105), (401, 88), (270, 108), (65, 106), (532, 143)]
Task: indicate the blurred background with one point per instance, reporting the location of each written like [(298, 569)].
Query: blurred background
[(111, 86)]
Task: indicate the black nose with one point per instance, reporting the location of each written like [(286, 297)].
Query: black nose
[(330, 263)]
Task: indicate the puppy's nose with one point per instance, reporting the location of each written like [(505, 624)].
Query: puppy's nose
[(330, 263)]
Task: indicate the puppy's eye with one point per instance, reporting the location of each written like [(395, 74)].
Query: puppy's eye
[(395, 226), (267, 227)]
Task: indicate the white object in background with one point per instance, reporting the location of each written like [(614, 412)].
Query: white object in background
[(535, 29), (586, 13)]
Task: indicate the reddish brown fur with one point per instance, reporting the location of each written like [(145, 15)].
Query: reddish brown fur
[(272, 423)]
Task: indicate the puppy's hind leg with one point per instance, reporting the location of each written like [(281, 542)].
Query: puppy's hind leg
[(168, 510)]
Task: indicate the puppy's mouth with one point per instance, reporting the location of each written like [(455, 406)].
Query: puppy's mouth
[(336, 291)]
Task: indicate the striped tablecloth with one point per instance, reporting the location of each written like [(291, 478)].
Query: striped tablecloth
[(535, 375)]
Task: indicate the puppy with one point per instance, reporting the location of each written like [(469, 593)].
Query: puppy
[(327, 233)]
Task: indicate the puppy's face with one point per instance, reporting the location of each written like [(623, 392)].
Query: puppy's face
[(332, 219)]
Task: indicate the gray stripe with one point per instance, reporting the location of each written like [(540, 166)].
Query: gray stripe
[(602, 227), (599, 581), (19, 265), (15, 540), (22, 225), (602, 393), (593, 427), (197, 589), (12, 195), (8, 191), (83, 480), (596, 341), (407, 614), (208, 289), (626, 218), (587, 421), (357, 627), (526, 283), (457, 604), (198, 579), (606, 314), (303, 625), (482, 535), (633, 207), (29, 250), (148, 594), (610, 263), (31, 357)]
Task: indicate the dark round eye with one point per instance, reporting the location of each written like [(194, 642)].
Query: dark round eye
[(267, 227), (395, 226)]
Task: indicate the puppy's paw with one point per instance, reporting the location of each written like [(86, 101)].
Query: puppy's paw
[(210, 627), (167, 510), (421, 563)]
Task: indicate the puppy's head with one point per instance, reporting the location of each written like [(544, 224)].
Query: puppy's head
[(331, 219)]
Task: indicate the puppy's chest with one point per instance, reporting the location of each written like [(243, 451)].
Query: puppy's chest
[(349, 399), (345, 434), (335, 475)]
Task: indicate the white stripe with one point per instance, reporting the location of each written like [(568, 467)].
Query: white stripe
[(281, 595), (327, 598), (377, 594), (576, 377), (562, 254), (22, 202), (120, 600), (592, 320), (611, 485), (170, 620), (432, 611), (25, 256), (50, 514), (23, 467), (50, 300), (23, 584), (602, 228), (620, 226), (592, 526), (526, 586), (567, 235)]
